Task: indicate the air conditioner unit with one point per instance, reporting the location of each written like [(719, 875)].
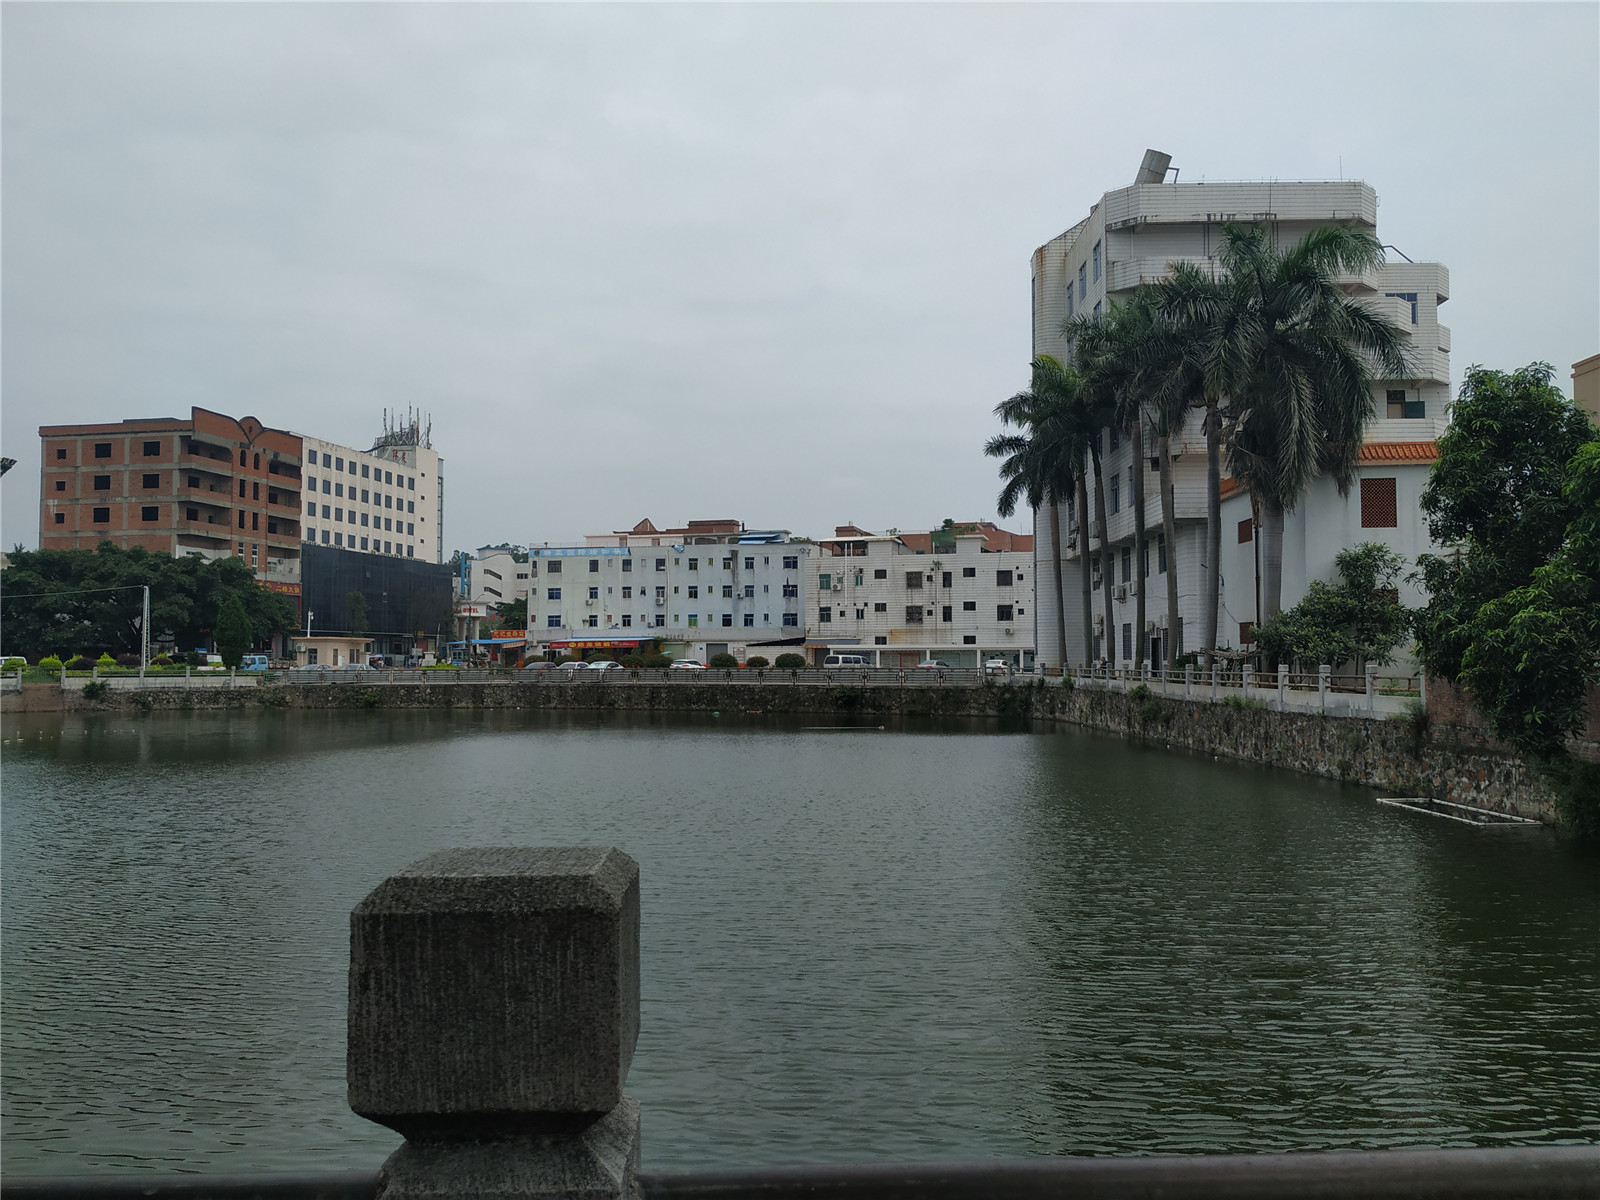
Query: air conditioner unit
[(1010, 631), (838, 585), (1122, 591)]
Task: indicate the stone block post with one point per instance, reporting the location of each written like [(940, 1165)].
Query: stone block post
[(494, 1007), (1323, 671), (1244, 681), (1188, 680), (1283, 687), (1372, 688)]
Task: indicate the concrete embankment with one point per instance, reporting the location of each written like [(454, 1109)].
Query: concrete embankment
[(1402, 757)]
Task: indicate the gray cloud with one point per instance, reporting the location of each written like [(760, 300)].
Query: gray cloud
[(750, 261)]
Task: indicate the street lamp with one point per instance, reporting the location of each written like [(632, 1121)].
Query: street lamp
[(309, 615)]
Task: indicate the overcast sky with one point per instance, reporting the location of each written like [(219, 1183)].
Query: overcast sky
[(760, 262)]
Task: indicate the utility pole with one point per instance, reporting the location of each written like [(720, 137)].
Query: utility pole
[(144, 634)]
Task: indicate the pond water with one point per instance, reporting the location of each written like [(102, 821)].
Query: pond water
[(922, 941)]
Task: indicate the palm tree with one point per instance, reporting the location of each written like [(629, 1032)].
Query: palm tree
[(1288, 361), (1040, 463)]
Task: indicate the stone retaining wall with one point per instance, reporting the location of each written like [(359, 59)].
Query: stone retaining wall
[(1400, 757)]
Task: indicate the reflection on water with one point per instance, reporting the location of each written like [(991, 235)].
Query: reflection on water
[(926, 941)]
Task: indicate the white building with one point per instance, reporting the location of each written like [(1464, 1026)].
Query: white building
[(900, 599), (710, 587), (1131, 237), (386, 500)]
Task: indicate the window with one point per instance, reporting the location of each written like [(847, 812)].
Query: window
[(627, 621), (749, 591), (750, 564), (1097, 261), (627, 566), (594, 593), (1070, 305), (363, 518), (1161, 553), (791, 590), (338, 539), (553, 567), (325, 537), (694, 564), (338, 490), (1401, 408), (1116, 437), (150, 512), (152, 449), (913, 614), (594, 566), (1097, 310), (1411, 296), (970, 639), (749, 620), (553, 621), (327, 486), (594, 621), (388, 476), (694, 620), (727, 564), (727, 591), (861, 614), (363, 540), (694, 591), (60, 455), (1083, 281), (241, 489), (364, 476), (825, 614), (338, 464), (194, 481), (327, 460), (913, 579), (1127, 639), (102, 449), (102, 483), (727, 619), (860, 577), (791, 618), (969, 606), (411, 483), (1127, 564), (338, 514), (61, 518), (552, 594), (1378, 507), (661, 620), (946, 580), (61, 485), (947, 613), (1247, 632), (1002, 579), (411, 529), (1116, 494), (969, 572), (661, 564), (825, 581), (881, 573), (627, 593), (1002, 612), (791, 562), (881, 607), (388, 501)]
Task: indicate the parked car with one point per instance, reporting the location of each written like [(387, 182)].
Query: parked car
[(574, 666), (934, 664), (253, 662), (846, 660), (538, 665), (356, 667), (997, 666), (605, 664), (688, 664)]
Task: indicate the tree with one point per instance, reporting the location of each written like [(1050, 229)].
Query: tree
[(512, 615), (1040, 463), (92, 599), (356, 617), (1514, 608), (233, 634), (1358, 619)]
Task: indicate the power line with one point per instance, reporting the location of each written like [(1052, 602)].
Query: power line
[(134, 587)]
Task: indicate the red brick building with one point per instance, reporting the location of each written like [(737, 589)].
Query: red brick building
[(208, 485)]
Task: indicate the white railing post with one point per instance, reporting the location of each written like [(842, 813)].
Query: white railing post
[(1372, 688), (1244, 682), (1283, 686), (1188, 680), (1323, 671)]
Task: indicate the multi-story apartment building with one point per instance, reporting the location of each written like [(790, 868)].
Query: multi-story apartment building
[(210, 485), (901, 599), (1131, 237), (386, 500), (498, 575), (709, 587)]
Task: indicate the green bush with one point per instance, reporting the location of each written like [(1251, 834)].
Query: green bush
[(789, 662), (658, 660), (194, 659), (723, 662), (13, 664), (1241, 702), (633, 659), (756, 663), (105, 659), (126, 660), (96, 689), (50, 663), (1140, 693), (82, 663), (161, 660)]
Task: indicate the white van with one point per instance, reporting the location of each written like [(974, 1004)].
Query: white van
[(846, 660)]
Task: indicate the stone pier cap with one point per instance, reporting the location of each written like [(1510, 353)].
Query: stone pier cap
[(495, 991)]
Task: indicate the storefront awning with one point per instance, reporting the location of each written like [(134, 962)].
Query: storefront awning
[(599, 643)]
